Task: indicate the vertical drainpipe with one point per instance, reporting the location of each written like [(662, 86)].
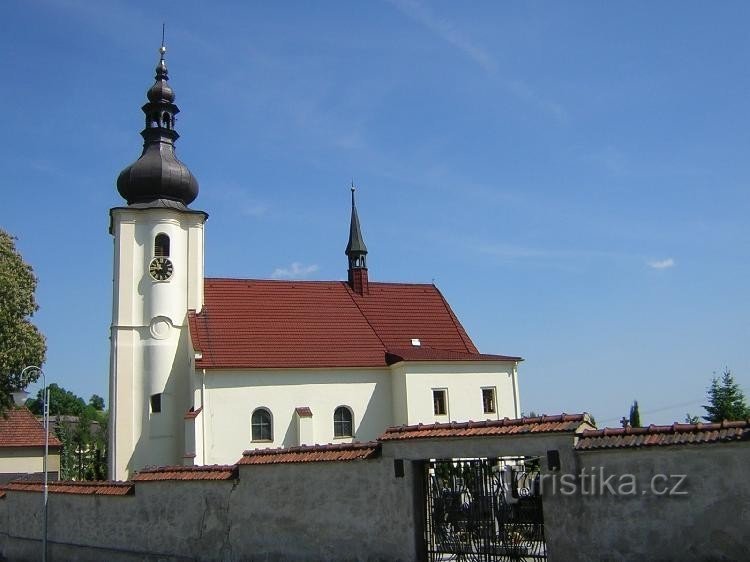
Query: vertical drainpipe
[(516, 397)]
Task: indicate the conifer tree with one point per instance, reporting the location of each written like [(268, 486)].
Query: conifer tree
[(635, 415), (726, 401)]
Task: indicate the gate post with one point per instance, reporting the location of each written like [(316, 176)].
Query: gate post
[(419, 476)]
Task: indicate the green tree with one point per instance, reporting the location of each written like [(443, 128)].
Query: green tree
[(690, 418), (21, 343), (61, 402), (726, 400), (97, 402), (82, 429), (635, 415)]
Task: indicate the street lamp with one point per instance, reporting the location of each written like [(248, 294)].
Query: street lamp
[(33, 370), (19, 397)]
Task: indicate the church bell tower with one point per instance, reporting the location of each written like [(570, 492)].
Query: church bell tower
[(158, 277)]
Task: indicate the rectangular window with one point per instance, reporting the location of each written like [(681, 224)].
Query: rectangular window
[(488, 400), (440, 402), (156, 403)]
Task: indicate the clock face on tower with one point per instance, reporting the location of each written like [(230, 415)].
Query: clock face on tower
[(160, 269)]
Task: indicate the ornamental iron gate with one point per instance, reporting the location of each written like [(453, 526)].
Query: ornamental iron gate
[(484, 510)]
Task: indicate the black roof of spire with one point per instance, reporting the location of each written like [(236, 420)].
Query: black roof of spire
[(158, 178), (356, 245)]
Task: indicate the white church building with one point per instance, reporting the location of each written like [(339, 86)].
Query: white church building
[(203, 369)]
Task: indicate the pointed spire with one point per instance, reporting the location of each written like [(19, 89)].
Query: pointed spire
[(356, 246), (158, 176), (356, 251)]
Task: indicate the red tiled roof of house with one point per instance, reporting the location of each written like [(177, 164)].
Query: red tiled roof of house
[(281, 324), (21, 429), (660, 435), (312, 453), (539, 424), (208, 472), (304, 411), (101, 488), (420, 353)]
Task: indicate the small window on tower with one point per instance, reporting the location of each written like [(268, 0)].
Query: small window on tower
[(155, 403), (161, 245), (440, 402), (488, 400)]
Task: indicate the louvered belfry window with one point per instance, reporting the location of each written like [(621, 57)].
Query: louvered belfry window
[(161, 246)]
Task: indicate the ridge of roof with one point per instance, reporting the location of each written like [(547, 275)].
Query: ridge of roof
[(100, 488), (312, 453), (559, 423), (181, 472), (313, 281), (424, 353), (661, 435)]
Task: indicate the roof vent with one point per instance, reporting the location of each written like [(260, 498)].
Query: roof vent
[(415, 342)]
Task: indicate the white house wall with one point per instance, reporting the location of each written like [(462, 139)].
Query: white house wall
[(378, 398), (230, 397), (464, 382)]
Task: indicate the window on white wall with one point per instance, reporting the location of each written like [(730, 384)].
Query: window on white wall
[(161, 245), (342, 422), (156, 403), (488, 400), (261, 425), (440, 401)]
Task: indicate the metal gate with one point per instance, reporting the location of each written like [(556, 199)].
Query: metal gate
[(484, 510)]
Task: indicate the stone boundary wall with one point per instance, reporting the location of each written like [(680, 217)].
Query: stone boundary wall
[(682, 502), (349, 502)]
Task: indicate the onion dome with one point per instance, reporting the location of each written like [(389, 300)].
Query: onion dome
[(158, 177)]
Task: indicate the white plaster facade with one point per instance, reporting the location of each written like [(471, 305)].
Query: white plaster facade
[(149, 336), (377, 398)]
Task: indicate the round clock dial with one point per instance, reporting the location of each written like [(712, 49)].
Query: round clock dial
[(160, 269)]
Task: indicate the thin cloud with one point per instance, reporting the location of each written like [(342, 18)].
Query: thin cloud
[(662, 264), (446, 31), (294, 271)]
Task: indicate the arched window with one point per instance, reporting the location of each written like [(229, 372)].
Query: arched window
[(161, 245), (342, 422), (261, 424)]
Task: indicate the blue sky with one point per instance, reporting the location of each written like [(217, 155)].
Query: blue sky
[(573, 176)]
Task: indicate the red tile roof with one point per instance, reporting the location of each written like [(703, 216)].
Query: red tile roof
[(209, 472), (312, 453), (253, 323), (21, 429), (304, 412), (192, 413), (657, 435), (539, 424), (102, 488), (421, 353)]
